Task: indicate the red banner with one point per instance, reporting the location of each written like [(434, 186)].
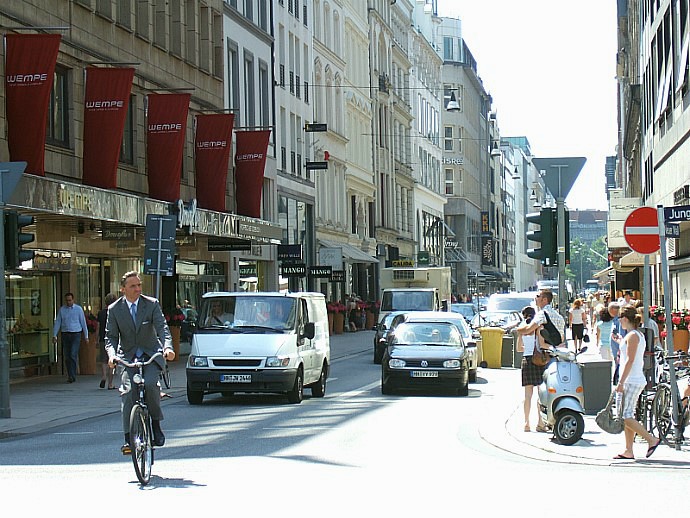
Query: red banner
[(250, 160), (212, 154), (165, 136), (105, 112), (29, 70)]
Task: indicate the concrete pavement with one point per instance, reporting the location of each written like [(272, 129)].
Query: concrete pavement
[(41, 403)]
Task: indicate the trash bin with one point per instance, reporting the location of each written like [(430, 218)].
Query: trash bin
[(492, 346), (507, 350), (517, 356), (596, 384)]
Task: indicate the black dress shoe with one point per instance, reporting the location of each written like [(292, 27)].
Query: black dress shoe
[(158, 436)]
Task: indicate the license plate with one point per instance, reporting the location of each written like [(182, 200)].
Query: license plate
[(424, 374), (236, 378)]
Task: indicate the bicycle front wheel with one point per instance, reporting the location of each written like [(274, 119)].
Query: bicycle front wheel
[(140, 441), (661, 412)]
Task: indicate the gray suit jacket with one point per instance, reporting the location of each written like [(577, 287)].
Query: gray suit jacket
[(151, 333)]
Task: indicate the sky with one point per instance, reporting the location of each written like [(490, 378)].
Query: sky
[(550, 69)]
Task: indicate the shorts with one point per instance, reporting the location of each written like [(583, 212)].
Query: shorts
[(578, 331), (631, 393)]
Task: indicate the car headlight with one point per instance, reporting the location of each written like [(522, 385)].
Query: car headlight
[(394, 363), (198, 361), (277, 361), (451, 364)]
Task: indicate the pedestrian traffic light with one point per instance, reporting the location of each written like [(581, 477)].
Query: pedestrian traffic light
[(15, 239), (545, 234)]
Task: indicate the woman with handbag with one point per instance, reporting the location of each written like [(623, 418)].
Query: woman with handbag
[(531, 373), (632, 381), (578, 321)]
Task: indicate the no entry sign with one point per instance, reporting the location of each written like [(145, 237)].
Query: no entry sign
[(641, 230)]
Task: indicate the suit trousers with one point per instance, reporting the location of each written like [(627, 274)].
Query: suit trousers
[(153, 394), (70, 352)]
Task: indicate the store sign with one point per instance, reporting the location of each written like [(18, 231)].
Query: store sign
[(320, 271), (255, 228), (52, 261), (331, 256), (337, 275), (221, 245), (453, 161), (187, 215), (289, 252), (293, 270), (111, 233), (682, 195), (247, 270), (75, 200), (403, 262), (486, 229)]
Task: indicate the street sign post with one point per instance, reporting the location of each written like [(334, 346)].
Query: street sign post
[(159, 247), (641, 230)]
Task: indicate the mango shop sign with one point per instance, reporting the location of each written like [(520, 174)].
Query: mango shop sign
[(293, 270), (320, 271)]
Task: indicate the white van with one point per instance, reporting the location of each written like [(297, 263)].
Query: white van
[(259, 342)]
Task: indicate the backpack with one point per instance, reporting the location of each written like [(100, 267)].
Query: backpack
[(549, 333)]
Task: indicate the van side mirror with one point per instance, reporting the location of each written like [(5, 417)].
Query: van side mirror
[(309, 330)]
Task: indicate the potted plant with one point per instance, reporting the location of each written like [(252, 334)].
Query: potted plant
[(337, 309), (680, 321)]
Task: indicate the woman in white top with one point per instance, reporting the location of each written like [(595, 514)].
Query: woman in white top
[(531, 374), (632, 381), (577, 320)]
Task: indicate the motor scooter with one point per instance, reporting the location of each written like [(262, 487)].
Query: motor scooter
[(561, 396)]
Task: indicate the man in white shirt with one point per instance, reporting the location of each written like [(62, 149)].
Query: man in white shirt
[(543, 301)]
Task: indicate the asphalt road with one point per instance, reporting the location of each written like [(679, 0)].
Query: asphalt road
[(352, 451)]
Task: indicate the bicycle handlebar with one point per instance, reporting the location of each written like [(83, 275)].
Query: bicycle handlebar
[(136, 364)]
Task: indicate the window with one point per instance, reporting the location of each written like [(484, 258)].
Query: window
[(143, 19), (448, 131), (264, 93), (353, 214), (448, 48), (105, 8), (249, 9), (159, 27), (204, 38), (57, 131), (449, 182), (176, 27), (190, 39), (127, 147), (234, 78), (249, 91), (124, 13), (263, 15)]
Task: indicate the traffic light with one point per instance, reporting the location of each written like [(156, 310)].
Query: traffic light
[(546, 235), (15, 239)]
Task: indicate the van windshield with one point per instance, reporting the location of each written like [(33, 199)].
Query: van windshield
[(400, 300), (238, 312)]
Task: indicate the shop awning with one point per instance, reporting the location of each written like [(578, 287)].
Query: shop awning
[(351, 253), (635, 259), (602, 273)]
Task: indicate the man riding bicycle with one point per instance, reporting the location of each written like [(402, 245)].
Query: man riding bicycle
[(136, 328)]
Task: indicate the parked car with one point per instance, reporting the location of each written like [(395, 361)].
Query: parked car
[(425, 354), (466, 309), (508, 320), (451, 317), (514, 301), (381, 332)]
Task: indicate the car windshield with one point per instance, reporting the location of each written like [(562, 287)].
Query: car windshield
[(238, 312), (466, 310), (509, 302), (495, 319), (407, 300), (427, 333)]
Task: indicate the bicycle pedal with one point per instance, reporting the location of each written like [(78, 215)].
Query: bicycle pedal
[(126, 449)]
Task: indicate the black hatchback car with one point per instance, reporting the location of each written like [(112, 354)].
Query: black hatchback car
[(425, 355)]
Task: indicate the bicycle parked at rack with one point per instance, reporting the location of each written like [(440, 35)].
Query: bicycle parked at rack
[(666, 416), (140, 431)]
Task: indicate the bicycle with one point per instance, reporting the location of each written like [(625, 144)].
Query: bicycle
[(140, 432), (667, 406)]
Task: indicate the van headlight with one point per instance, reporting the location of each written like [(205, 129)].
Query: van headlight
[(277, 361), (198, 361), (451, 364)]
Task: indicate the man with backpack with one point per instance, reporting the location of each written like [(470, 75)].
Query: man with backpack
[(546, 315)]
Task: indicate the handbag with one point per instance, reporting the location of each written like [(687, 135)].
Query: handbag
[(607, 419), (549, 333), (540, 357), (585, 338)]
